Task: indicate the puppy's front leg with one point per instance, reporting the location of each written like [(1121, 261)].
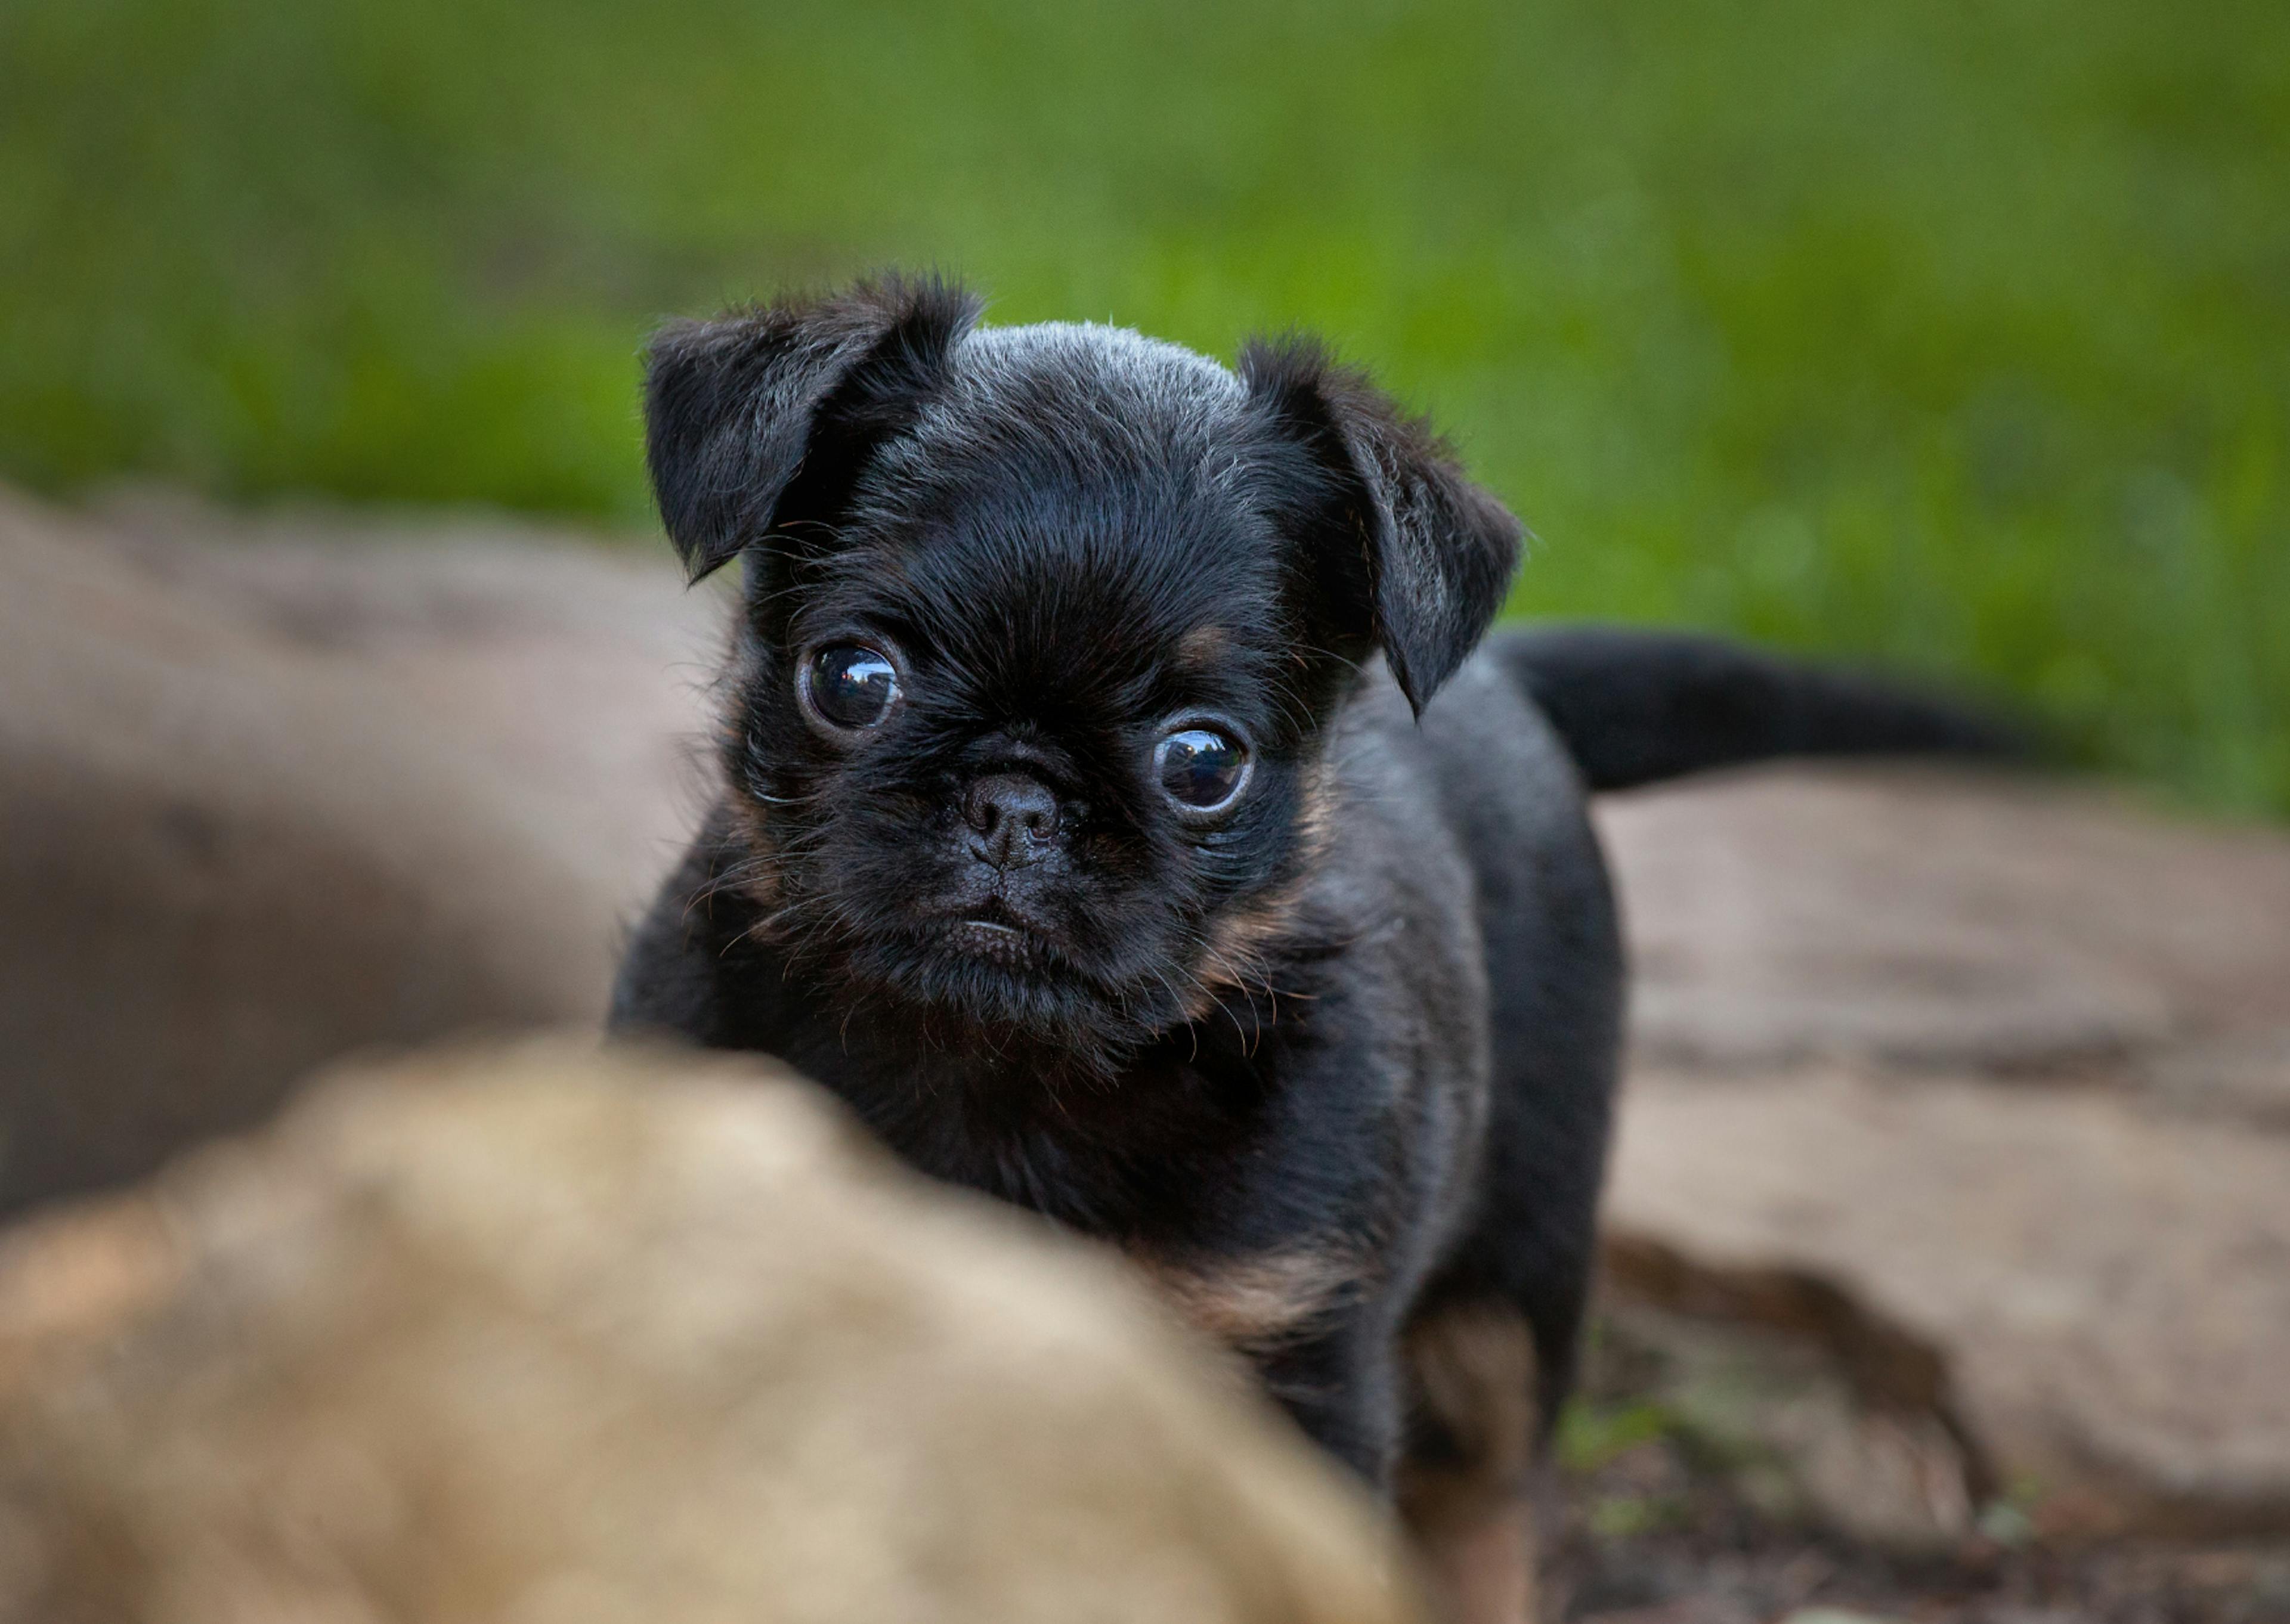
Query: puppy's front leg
[(1341, 1385), (1476, 1544), (1469, 1486)]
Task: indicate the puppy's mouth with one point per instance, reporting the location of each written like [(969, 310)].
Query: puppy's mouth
[(997, 936), (1010, 970)]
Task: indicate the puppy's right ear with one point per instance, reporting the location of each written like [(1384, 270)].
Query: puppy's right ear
[(747, 416)]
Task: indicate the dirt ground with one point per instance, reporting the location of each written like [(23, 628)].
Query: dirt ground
[(1660, 1531)]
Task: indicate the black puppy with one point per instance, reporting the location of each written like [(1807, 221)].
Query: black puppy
[(1116, 817)]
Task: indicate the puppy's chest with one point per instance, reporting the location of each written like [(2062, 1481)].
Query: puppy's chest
[(1166, 1154), (1255, 1232), (1173, 1155)]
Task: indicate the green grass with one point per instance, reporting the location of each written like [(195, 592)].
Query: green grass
[(1952, 335)]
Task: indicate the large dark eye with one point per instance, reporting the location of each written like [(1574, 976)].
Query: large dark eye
[(1199, 768), (849, 686)]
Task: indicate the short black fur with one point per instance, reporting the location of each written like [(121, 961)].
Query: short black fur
[(1330, 1060)]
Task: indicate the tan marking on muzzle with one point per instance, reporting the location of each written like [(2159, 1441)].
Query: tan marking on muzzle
[(1241, 941), (757, 874)]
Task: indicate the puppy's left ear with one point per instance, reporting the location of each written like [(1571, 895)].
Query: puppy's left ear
[(1438, 551)]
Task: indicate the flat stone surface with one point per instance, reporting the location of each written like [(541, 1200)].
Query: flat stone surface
[(2006, 1065), (1923, 918), (2110, 1292), (578, 665), (263, 802)]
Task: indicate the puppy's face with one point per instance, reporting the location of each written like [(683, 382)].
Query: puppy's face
[(1042, 629), (1039, 717)]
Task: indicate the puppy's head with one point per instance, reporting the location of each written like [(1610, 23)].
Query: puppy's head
[(1042, 628)]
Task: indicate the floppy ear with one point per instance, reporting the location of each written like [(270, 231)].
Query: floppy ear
[(740, 410), (1440, 550)]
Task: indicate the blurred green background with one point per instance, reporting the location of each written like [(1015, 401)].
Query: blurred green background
[(1954, 336)]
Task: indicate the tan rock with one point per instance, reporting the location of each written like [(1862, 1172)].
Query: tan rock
[(543, 1335)]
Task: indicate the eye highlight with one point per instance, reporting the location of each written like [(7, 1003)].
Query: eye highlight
[(848, 687), (1201, 768)]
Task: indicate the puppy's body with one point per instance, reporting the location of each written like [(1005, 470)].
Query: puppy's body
[(1117, 817), (1400, 1107)]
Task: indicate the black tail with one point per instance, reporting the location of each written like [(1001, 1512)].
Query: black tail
[(1635, 706)]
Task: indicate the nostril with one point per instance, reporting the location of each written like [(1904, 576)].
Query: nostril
[(1013, 812), (980, 809)]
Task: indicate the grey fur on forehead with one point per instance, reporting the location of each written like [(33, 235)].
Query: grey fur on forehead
[(1121, 357), (1101, 384), (1069, 393)]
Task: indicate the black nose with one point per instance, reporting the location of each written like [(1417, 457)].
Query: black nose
[(1016, 816)]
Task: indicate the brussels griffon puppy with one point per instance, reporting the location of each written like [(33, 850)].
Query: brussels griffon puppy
[(1117, 815)]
